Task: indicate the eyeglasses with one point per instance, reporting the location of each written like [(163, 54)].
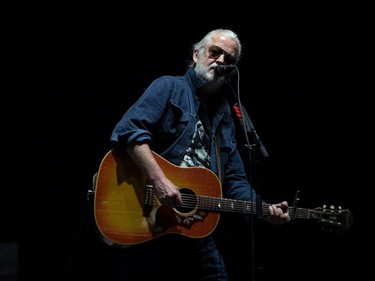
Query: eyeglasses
[(214, 52)]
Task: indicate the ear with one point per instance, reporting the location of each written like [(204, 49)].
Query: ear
[(195, 55)]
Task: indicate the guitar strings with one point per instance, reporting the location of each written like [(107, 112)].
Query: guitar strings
[(190, 201)]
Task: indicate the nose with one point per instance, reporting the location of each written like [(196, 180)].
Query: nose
[(221, 58)]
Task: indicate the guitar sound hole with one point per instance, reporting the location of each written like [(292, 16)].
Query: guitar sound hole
[(189, 200)]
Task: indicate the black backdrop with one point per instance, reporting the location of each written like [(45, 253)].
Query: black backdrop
[(82, 68)]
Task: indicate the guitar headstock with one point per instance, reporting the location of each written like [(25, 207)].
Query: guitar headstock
[(332, 218)]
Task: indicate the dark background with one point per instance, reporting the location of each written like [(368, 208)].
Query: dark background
[(77, 69)]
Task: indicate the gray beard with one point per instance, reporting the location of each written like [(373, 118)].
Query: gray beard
[(204, 72)]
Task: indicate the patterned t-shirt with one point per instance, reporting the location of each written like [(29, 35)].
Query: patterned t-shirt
[(198, 152)]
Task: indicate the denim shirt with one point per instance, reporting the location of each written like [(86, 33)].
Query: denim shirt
[(165, 118)]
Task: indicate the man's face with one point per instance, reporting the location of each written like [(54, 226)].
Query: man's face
[(221, 51)]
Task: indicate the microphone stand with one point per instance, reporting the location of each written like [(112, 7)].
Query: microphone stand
[(246, 124), (255, 146), (249, 128)]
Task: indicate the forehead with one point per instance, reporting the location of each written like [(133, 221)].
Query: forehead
[(227, 44)]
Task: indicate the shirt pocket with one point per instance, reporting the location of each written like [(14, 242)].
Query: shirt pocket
[(173, 123), (226, 140)]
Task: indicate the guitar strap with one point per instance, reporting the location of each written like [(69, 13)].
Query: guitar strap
[(217, 144)]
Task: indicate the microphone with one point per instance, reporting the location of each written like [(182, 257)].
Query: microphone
[(225, 69)]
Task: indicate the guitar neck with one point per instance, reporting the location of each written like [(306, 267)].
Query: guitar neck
[(226, 205), (245, 207)]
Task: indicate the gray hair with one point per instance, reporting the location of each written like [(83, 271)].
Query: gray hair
[(207, 39)]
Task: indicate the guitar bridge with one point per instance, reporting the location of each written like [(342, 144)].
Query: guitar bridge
[(147, 204)]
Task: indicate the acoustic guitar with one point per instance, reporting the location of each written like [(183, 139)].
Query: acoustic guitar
[(127, 211)]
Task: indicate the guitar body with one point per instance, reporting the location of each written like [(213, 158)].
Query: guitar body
[(127, 212)]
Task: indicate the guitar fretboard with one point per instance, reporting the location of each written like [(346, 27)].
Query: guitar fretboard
[(217, 204)]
